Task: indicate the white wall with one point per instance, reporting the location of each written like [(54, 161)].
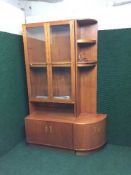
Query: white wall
[(108, 17), (11, 18), (13, 2)]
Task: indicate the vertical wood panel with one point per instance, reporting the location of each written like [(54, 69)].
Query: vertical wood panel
[(49, 68)]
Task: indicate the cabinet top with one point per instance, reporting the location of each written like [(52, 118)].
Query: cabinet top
[(79, 21)]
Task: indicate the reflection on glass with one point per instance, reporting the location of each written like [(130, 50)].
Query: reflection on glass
[(60, 43), (36, 45)]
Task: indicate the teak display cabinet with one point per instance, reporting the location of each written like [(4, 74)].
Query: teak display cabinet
[(61, 69)]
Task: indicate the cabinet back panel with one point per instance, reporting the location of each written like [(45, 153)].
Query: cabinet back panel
[(86, 31), (88, 52), (54, 107)]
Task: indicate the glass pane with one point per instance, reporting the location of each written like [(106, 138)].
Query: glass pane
[(36, 45), (60, 43), (61, 83), (39, 86)]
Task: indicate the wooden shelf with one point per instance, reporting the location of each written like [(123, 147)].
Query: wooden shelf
[(86, 21), (37, 65), (86, 41), (61, 65), (53, 100), (87, 63), (67, 117)]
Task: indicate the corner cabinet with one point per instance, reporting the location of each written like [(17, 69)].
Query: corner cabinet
[(61, 69)]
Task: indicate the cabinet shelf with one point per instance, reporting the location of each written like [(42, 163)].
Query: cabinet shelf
[(53, 100), (68, 117), (61, 65), (37, 65), (87, 63), (86, 41)]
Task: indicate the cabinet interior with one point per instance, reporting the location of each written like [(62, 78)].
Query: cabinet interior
[(54, 108)]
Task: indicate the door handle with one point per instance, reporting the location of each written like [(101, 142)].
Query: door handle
[(46, 129), (50, 129)]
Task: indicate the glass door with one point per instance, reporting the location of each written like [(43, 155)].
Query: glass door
[(62, 60), (36, 44)]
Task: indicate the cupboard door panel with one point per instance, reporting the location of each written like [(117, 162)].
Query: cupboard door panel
[(49, 133), (35, 131), (60, 134)]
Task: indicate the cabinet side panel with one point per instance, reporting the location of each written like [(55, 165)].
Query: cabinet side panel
[(89, 136), (88, 90)]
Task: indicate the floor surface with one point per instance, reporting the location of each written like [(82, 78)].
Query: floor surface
[(34, 160)]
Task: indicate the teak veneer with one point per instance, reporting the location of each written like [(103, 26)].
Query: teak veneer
[(61, 68)]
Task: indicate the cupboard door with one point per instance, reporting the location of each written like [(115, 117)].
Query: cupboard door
[(62, 60), (37, 59), (60, 135), (49, 133), (36, 131)]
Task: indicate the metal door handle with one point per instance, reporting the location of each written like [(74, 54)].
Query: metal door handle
[(46, 129), (50, 129)]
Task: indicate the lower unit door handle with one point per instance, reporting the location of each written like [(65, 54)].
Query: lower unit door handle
[(50, 129), (46, 128)]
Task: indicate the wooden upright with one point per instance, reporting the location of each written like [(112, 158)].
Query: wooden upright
[(61, 68)]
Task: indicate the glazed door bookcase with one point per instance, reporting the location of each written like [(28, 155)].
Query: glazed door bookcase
[(61, 69), (51, 62)]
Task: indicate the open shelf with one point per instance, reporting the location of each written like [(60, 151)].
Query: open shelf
[(86, 41)]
